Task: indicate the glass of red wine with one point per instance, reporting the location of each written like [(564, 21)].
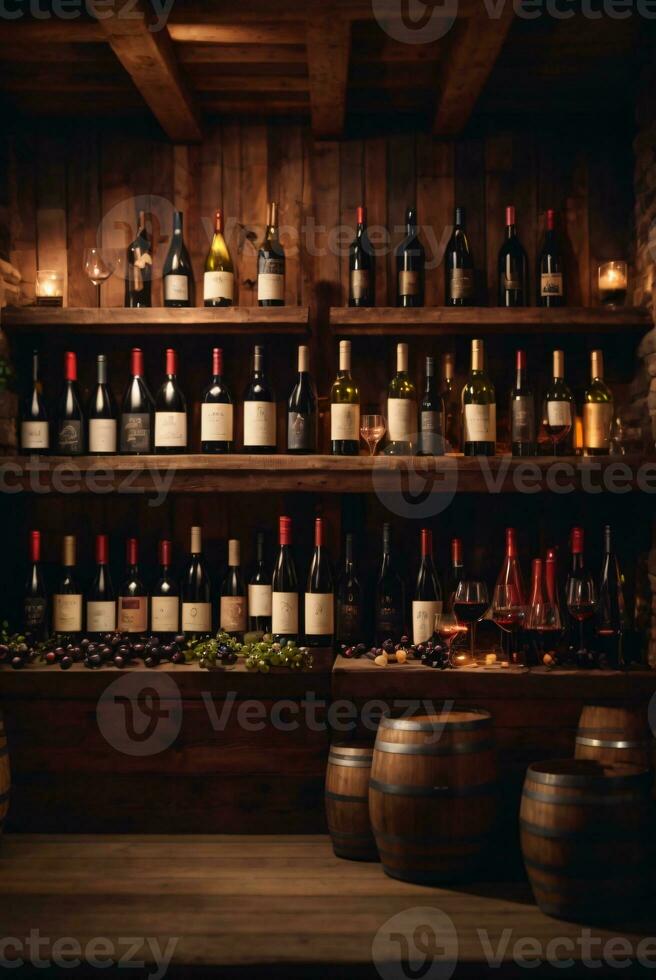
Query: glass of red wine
[(543, 619), (447, 627), (509, 612), (581, 596), (470, 603)]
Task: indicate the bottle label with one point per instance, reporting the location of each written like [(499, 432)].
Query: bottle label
[(359, 283), (522, 419), (216, 422), (559, 414), (101, 616), (271, 284), (233, 613), (597, 421), (259, 601), (462, 283), (219, 285), (34, 613), (102, 435), (319, 614), (300, 426), (259, 424), (431, 422), (69, 437), (35, 435), (551, 284), (67, 613), (388, 622), (408, 283), (164, 613), (480, 423), (135, 432), (510, 281), (345, 422), (176, 288), (284, 612), (423, 619), (350, 625), (401, 419), (170, 429), (196, 617), (133, 614)]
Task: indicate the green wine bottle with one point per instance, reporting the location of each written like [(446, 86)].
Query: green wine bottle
[(401, 407), (597, 409), (219, 278), (479, 408), (344, 407)]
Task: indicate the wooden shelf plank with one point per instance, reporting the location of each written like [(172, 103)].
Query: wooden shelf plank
[(445, 321), (159, 320), (382, 475)]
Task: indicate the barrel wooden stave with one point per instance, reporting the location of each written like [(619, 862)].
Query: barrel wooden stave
[(615, 735), (583, 831), (432, 796), (347, 801), (5, 776)]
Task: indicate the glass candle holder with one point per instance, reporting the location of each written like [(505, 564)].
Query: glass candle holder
[(49, 288), (613, 283)]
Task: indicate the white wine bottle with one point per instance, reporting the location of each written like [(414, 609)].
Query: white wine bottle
[(344, 407), (479, 408), (219, 278), (597, 409), (401, 407)]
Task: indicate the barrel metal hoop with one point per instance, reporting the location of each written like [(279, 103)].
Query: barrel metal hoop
[(601, 743), (639, 779), (410, 725), (432, 840), (342, 798), (602, 800), (352, 836), (551, 833), (344, 762), (435, 792), (467, 748), (580, 869)]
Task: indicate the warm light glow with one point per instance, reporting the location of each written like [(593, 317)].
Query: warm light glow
[(49, 287), (613, 277)]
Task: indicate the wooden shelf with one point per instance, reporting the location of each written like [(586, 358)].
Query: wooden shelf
[(388, 321), (326, 474), (159, 320)]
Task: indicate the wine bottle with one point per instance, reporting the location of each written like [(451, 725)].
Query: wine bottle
[(456, 574), (513, 266), (559, 407), (302, 409), (350, 612), (259, 409), (271, 263), (549, 278), (216, 411), (132, 597), (284, 588), (451, 400), (479, 408), (102, 414), (522, 412), (362, 265), (232, 615), (219, 276), (138, 282), (410, 264), (598, 409), (35, 598), (196, 592), (427, 600), (101, 598), (401, 407), (35, 423), (137, 411), (344, 407), (459, 286), (259, 591), (581, 598), (67, 599), (71, 439), (511, 582), (177, 273), (431, 415), (170, 411), (165, 597), (390, 595), (320, 594), (610, 613)]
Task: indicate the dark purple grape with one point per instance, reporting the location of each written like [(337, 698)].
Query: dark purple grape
[(17, 662), (59, 652), (94, 660), (119, 661), (66, 662), (50, 657), (180, 638)]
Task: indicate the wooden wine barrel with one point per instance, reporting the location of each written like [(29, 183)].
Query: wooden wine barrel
[(584, 833), (347, 801), (614, 735), (4, 774), (432, 794)]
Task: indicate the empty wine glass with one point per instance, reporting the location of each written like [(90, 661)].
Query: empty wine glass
[(470, 604), (99, 264), (372, 430)]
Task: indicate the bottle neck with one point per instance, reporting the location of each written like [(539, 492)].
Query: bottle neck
[(177, 225)]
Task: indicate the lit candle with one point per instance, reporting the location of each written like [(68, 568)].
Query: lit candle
[(49, 288), (613, 282)]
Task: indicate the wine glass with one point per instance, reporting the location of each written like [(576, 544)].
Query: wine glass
[(99, 264), (508, 612), (447, 627), (470, 604), (543, 615), (581, 597), (372, 430)]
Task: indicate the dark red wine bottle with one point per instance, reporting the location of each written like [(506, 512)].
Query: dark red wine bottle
[(217, 411), (456, 573), (350, 611), (610, 618), (549, 279), (284, 588), (232, 616), (138, 282), (177, 273), (410, 264), (320, 594), (137, 430), (362, 265), (170, 411), (259, 591), (35, 600), (35, 422), (522, 412), (102, 414), (196, 591), (427, 600), (390, 594), (101, 598), (513, 267), (133, 597), (165, 597), (67, 598), (459, 265), (71, 436)]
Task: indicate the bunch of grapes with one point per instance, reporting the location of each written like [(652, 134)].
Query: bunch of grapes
[(116, 649), (16, 649), (258, 652), (430, 653)]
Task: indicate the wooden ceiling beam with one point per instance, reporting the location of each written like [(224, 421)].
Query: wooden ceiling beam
[(227, 33), (328, 49), (147, 56), (475, 46)]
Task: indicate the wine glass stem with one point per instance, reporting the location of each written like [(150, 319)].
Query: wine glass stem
[(472, 639), (98, 295), (580, 634)]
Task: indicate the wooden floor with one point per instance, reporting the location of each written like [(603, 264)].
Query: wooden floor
[(235, 905)]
